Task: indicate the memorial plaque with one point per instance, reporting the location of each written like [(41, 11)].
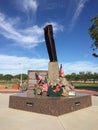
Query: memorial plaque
[(32, 80)]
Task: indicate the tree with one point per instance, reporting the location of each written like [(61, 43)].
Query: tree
[(1, 76), (95, 77), (82, 75), (8, 77), (93, 31), (24, 76)]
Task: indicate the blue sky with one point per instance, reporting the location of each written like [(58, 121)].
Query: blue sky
[(22, 44)]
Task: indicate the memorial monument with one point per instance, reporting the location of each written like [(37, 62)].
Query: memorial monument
[(39, 81)]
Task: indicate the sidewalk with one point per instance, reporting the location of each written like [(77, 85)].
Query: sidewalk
[(9, 91), (11, 119)]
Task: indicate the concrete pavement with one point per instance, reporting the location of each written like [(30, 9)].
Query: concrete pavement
[(11, 119)]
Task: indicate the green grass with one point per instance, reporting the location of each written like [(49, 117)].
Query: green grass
[(7, 82), (85, 85)]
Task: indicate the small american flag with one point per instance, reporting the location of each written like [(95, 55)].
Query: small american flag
[(61, 72)]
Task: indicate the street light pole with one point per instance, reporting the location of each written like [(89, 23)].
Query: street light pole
[(20, 74), (21, 79)]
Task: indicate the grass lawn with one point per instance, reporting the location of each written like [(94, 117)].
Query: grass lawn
[(85, 85)]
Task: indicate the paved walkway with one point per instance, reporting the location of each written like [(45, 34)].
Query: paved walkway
[(11, 119)]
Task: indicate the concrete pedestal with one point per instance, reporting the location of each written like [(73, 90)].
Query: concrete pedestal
[(53, 71)]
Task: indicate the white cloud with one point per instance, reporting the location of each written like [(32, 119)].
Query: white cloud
[(28, 5), (80, 66), (28, 37), (78, 8), (29, 8), (14, 65)]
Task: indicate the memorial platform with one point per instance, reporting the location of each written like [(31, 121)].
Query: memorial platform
[(49, 105)]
